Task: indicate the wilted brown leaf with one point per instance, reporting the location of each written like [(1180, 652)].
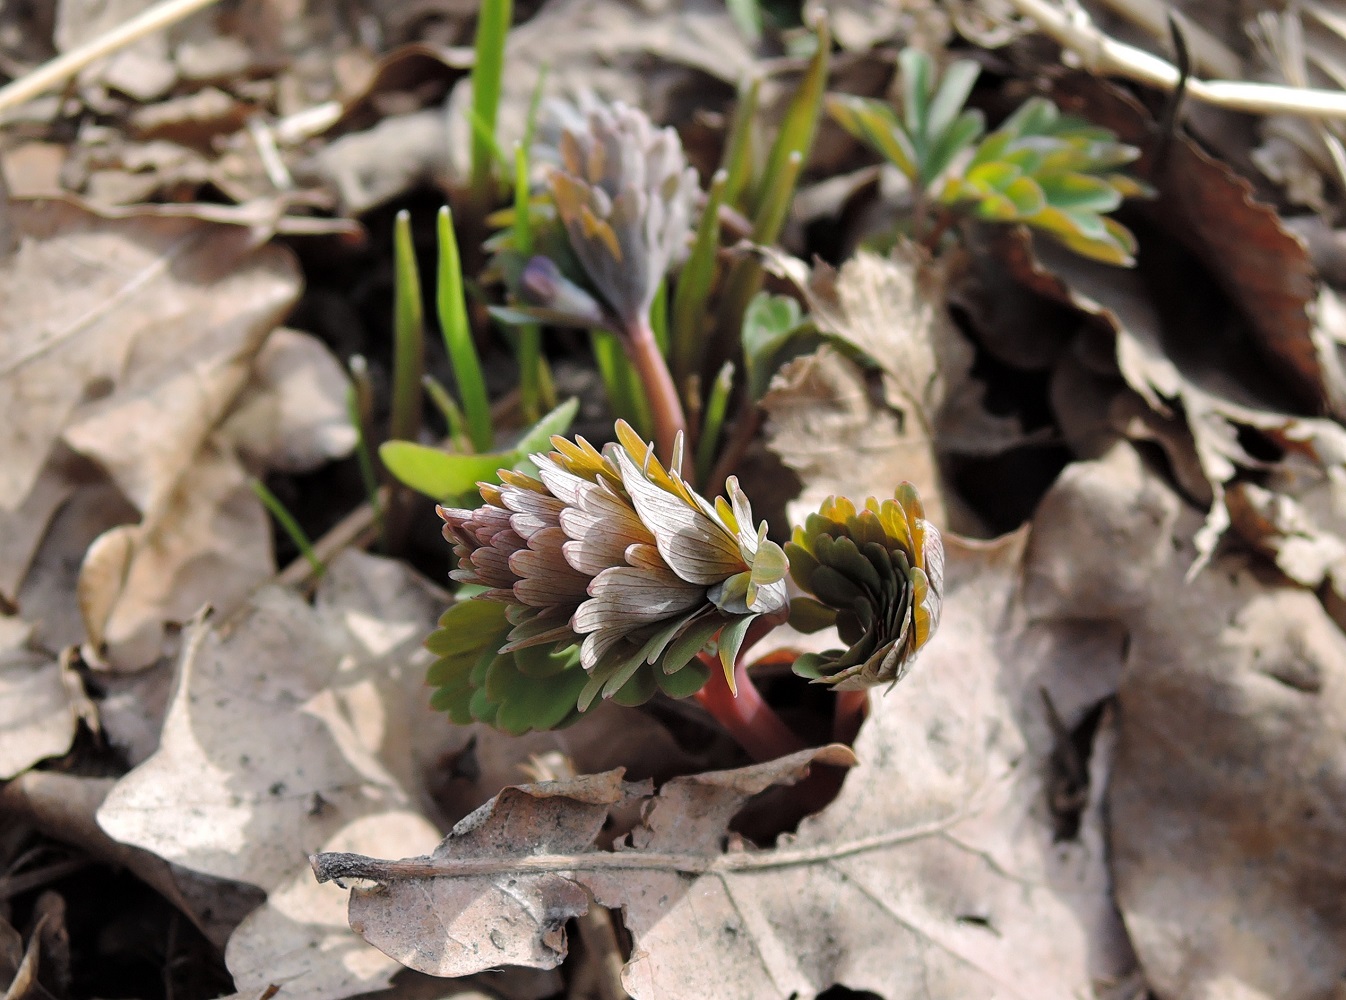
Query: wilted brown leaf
[(936, 870), (283, 737), (37, 717), (1206, 207), (1225, 802), (127, 313), (825, 425)]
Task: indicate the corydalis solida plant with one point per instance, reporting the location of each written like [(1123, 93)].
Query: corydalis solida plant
[(610, 576), (623, 192), (612, 551)]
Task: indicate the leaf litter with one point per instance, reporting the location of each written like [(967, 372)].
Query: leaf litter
[(936, 864), (1116, 770)]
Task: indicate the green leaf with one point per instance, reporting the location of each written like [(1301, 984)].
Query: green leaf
[(769, 324), (528, 702), (638, 690), (717, 405), (408, 334), (1080, 193), (738, 147), (1034, 117), (693, 289), (916, 69), (558, 421), (731, 640), (961, 134), (438, 474), (954, 90), (681, 653), (798, 127), (1026, 196), (452, 308), (493, 22), (685, 682), (873, 122)]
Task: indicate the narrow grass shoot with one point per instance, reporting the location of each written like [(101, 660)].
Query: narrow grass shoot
[(450, 410), (493, 22), (687, 335), (626, 392), (288, 524), (359, 405), (408, 335), (533, 379), (451, 302), (800, 126), (739, 158), (712, 426)]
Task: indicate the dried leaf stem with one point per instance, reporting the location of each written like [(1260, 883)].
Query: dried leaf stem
[(1102, 55), (57, 71), (334, 867)]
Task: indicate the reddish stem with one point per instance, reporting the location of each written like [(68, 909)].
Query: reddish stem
[(665, 405), (747, 716), (849, 714)]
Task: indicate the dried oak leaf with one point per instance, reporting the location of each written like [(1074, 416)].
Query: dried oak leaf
[(1206, 207), (935, 871), (1192, 376), (893, 310), (288, 733), (1226, 795), (37, 713), (108, 320), (208, 539)]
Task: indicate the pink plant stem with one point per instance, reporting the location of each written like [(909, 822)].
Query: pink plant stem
[(665, 405), (852, 708), (747, 716)]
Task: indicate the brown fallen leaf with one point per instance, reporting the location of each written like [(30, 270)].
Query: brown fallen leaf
[(1225, 799), (893, 309), (936, 870), (209, 539), (104, 312), (1195, 377), (63, 806), (1205, 206), (825, 425), (37, 714), (287, 733)]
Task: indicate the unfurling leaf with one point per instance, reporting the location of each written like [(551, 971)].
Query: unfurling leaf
[(881, 569)]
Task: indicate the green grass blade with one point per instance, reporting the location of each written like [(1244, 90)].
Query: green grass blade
[(287, 522), (626, 393), (359, 403), (800, 124), (717, 405), (659, 316), (452, 308), (450, 410), (747, 16), (694, 281), (531, 361), (408, 335), (534, 106), (738, 147), (776, 206), (493, 23)]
